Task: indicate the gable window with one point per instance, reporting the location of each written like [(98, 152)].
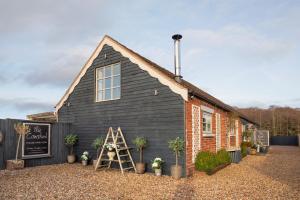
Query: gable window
[(108, 82), (206, 123)]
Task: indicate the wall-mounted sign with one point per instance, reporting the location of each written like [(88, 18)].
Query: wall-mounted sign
[(36, 144)]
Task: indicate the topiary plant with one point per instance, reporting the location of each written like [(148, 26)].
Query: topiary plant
[(70, 141), (206, 161), (97, 144), (176, 145), (140, 143)]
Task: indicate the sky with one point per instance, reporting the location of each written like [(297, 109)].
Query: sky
[(246, 53)]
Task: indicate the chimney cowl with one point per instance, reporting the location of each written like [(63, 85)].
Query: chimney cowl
[(177, 63)]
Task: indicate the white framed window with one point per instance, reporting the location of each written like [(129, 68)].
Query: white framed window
[(206, 123), (108, 82)]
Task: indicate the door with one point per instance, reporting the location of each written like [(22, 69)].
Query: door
[(196, 139), (218, 131)]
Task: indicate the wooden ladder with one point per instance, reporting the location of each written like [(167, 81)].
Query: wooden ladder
[(121, 148)]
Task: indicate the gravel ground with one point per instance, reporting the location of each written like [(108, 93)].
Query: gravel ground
[(274, 176)]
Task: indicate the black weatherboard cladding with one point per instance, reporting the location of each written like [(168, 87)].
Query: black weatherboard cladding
[(139, 112)]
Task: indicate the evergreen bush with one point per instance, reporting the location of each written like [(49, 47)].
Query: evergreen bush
[(223, 157), (206, 161)]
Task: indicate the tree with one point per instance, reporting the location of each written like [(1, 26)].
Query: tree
[(177, 146), (140, 143)]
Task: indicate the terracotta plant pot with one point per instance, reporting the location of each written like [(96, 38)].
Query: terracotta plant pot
[(176, 171), (14, 165), (71, 159), (111, 155), (253, 152), (157, 172), (140, 168), (84, 162)]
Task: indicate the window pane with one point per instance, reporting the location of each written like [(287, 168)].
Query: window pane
[(208, 127), (116, 69), (108, 83), (107, 71), (100, 85), (107, 94), (116, 93), (100, 95), (116, 81), (100, 73)]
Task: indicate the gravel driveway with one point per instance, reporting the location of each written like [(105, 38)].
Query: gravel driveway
[(274, 176)]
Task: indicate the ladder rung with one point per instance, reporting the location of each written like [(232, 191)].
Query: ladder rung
[(123, 148), (122, 161), (127, 168), (102, 166), (120, 143), (124, 155), (125, 161)]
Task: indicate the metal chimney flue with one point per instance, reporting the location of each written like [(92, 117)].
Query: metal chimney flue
[(177, 63)]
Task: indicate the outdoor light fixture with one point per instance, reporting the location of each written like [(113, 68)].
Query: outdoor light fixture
[(1, 137)]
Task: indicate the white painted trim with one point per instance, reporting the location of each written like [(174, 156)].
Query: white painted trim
[(237, 133), (218, 132), (164, 79), (207, 109), (193, 131)]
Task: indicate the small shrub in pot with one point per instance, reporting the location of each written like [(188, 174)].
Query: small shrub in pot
[(177, 146), (97, 145), (140, 143), (70, 141), (85, 158), (157, 165)]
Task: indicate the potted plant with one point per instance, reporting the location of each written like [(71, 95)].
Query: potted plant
[(97, 145), (253, 150), (70, 141), (156, 166), (140, 143), (85, 158), (176, 145), (111, 150), (21, 130)]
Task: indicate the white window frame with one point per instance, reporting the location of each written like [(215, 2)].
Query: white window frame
[(103, 83), (207, 132)]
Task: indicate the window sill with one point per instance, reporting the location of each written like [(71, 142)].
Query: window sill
[(208, 135)]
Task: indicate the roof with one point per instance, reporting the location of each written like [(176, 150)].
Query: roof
[(191, 89), (45, 116)]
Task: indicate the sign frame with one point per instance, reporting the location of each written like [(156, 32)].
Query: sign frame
[(49, 142)]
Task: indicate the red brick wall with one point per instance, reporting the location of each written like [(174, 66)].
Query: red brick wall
[(207, 143)]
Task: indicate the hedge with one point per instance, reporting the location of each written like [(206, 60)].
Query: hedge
[(208, 161)]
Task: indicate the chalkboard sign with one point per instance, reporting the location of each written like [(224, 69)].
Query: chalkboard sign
[(262, 136), (36, 144)]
